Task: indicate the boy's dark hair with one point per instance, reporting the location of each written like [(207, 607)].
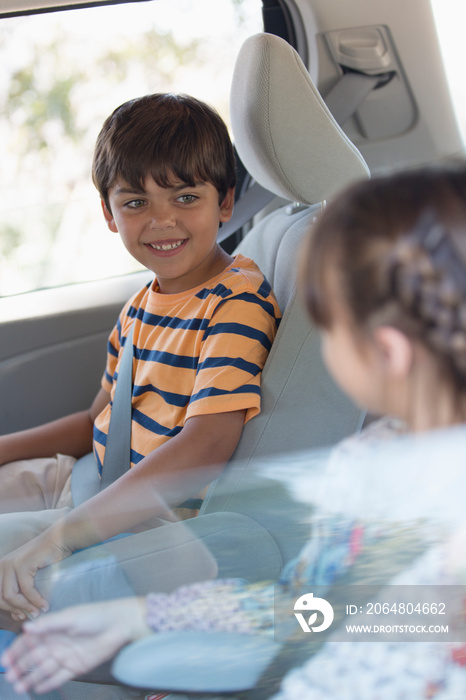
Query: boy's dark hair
[(164, 135), (392, 251)]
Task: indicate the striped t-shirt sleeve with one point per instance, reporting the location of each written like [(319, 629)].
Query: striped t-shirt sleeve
[(234, 348)]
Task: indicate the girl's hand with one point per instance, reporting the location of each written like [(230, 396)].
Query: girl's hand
[(18, 569), (63, 645)]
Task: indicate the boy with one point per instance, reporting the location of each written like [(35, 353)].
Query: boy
[(165, 170)]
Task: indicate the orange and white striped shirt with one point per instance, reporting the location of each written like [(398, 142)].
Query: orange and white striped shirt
[(197, 352)]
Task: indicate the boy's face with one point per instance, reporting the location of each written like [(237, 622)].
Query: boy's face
[(171, 230)]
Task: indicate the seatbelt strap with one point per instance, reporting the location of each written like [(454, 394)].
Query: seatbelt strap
[(348, 94), (117, 458), (251, 202)]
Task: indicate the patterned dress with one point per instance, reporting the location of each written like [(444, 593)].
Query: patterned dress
[(344, 549)]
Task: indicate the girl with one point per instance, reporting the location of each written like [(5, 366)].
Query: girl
[(384, 277)]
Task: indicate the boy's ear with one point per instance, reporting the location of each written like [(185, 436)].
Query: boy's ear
[(108, 217), (226, 207), (396, 350)]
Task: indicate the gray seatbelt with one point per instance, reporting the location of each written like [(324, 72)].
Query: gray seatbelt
[(117, 458), (348, 94), (252, 201)]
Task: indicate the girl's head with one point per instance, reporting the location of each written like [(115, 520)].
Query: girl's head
[(384, 276)]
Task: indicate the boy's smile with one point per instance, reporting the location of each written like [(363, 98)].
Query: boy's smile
[(167, 248), (171, 230)]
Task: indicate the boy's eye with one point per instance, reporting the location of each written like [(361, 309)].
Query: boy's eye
[(187, 198), (135, 203)]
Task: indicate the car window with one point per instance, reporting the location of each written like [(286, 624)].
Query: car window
[(63, 73), (450, 16)]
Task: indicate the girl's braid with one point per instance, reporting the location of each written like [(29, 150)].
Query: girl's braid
[(427, 273)]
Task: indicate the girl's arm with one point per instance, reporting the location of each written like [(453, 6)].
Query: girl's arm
[(63, 645)]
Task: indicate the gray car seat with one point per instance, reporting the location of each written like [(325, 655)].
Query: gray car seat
[(245, 520), (291, 145)]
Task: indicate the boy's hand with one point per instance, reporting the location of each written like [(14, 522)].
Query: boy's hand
[(17, 573), (63, 645)]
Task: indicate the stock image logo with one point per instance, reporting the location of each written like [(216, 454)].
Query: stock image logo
[(307, 603)]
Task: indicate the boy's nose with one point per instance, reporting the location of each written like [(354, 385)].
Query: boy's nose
[(162, 216)]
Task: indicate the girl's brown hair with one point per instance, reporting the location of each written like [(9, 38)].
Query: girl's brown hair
[(396, 247), (164, 135)]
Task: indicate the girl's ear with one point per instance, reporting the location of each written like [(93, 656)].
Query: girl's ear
[(226, 207), (108, 217), (396, 350)]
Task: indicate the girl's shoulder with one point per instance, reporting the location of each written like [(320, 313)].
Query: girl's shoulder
[(377, 430)]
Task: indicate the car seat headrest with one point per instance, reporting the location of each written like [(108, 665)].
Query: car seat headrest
[(283, 131)]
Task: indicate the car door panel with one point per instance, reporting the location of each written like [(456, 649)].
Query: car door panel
[(53, 348)]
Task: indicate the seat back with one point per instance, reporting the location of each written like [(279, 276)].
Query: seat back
[(290, 144)]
